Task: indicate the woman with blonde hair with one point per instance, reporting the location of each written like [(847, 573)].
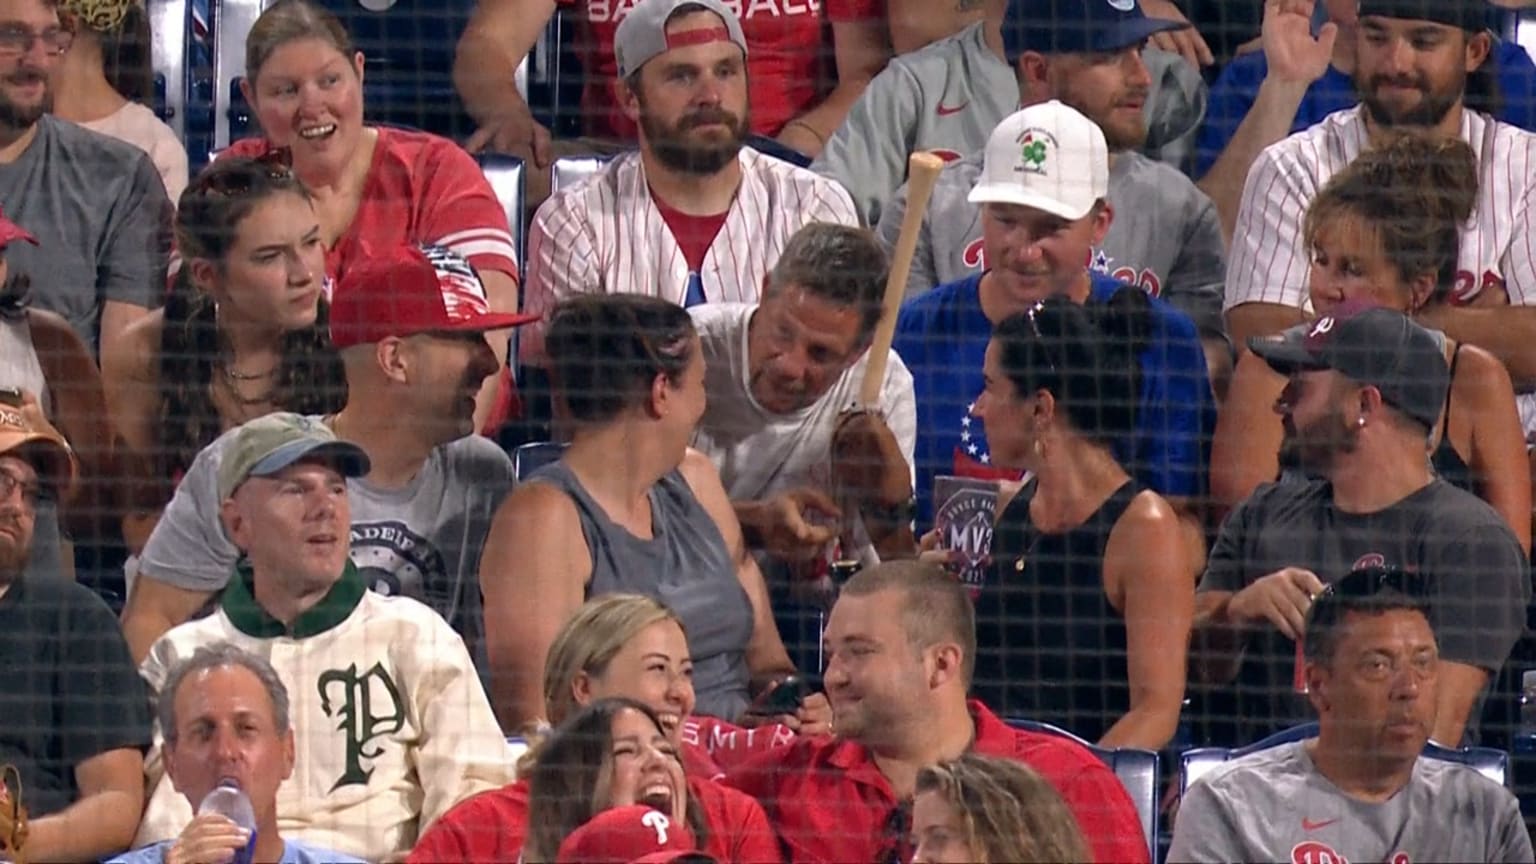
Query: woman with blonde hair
[(981, 809)]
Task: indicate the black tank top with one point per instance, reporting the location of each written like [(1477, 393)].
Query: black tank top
[(1050, 647), (1448, 464)]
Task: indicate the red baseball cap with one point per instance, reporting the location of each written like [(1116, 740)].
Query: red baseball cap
[(624, 835), (405, 290), (10, 231)]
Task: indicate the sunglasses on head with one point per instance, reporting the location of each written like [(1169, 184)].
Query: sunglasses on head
[(1370, 581), (275, 164), (1034, 328)]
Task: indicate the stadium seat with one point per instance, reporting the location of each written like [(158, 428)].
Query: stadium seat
[(1491, 763), (168, 54), (1137, 770), (571, 170), (529, 458), (505, 174)]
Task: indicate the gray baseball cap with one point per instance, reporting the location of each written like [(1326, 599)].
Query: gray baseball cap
[(270, 443), (642, 35)]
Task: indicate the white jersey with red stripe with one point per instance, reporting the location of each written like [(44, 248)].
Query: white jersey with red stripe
[(606, 236), (1269, 259)]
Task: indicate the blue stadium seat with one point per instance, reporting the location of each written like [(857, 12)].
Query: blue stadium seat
[(529, 458), (1491, 763), (1137, 770)]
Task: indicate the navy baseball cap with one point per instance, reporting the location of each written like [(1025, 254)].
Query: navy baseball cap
[(1078, 26)]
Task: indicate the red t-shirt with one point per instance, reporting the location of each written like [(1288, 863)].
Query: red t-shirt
[(492, 826), (830, 803), (694, 234), (730, 746), (785, 40)]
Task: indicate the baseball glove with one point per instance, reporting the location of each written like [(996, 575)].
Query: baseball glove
[(13, 818), (872, 474)]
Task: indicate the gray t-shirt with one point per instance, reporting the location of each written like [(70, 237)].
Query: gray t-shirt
[(1275, 806), (103, 223), (422, 540), (1165, 237), (1479, 591)]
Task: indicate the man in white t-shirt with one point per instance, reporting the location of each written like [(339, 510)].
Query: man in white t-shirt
[(782, 377), (1415, 61)]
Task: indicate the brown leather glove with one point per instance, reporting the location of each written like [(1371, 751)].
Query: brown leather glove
[(13, 818), (871, 472)]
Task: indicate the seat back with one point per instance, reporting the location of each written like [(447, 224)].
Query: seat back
[(1136, 770), (571, 170), (1194, 764), (168, 26), (506, 176), (529, 458)]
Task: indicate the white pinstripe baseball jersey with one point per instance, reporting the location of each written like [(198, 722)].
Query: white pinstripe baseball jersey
[(1269, 260), (607, 236)]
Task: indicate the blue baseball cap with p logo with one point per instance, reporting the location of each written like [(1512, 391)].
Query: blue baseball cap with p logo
[(1078, 26)]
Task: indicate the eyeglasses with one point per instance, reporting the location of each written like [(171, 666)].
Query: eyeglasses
[(10, 484), (275, 164), (894, 834), (1035, 329), (18, 39)]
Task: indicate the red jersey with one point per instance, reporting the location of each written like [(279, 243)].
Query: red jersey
[(492, 826), (420, 189), (730, 746), (785, 44), (830, 803)]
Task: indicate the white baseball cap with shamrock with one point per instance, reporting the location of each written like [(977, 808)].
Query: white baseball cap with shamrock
[(1047, 156)]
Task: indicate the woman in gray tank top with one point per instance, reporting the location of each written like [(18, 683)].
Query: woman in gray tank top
[(628, 508)]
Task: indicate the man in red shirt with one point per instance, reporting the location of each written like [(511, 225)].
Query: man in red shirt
[(901, 645)]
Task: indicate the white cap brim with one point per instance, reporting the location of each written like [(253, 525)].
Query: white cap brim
[(1012, 193)]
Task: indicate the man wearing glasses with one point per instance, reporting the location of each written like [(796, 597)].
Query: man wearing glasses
[(74, 716), (1365, 387), (1360, 790), (95, 204), (1042, 193)]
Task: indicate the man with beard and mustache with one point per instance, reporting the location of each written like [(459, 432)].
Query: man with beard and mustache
[(1165, 238), (1361, 790), (1365, 387), (95, 204), (1419, 69), (409, 323), (74, 717), (692, 217)]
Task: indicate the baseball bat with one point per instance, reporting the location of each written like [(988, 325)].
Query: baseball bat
[(922, 172)]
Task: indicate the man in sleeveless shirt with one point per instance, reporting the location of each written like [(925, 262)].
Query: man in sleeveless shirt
[(1360, 790), (1365, 387)]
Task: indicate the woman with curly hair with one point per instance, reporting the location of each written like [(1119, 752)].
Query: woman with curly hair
[(1385, 232), (242, 333), (986, 810)]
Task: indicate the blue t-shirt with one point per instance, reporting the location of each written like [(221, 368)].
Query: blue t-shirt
[(294, 852), (1238, 86), (942, 336)]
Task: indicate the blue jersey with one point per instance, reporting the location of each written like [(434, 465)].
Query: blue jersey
[(942, 336), (1238, 86)]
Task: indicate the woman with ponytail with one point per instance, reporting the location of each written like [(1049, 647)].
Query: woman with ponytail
[(106, 82), (1386, 231), (1090, 591), (242, 333)]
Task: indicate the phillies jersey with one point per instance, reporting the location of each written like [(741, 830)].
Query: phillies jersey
[(785, 46), (1275, 805), (1269, 260), (420, 189), (942, 336), (830, 802), (1165, 237), (606, 236), (493, 827), (948, 96), (393, 727)]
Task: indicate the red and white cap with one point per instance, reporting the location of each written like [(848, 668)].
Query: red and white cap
[(625, 835), (10, 231), (405, 290)]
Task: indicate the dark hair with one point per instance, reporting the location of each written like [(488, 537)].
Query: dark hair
[(126, 59), (841, 265), (1415, 192), (1367, 591), (570, 766), (1084, 355), (289, 20), (935, 605), (311, 379), (605, 350)]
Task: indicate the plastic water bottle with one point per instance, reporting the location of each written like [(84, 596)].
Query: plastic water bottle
[(230, 801), (1525, 739)]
